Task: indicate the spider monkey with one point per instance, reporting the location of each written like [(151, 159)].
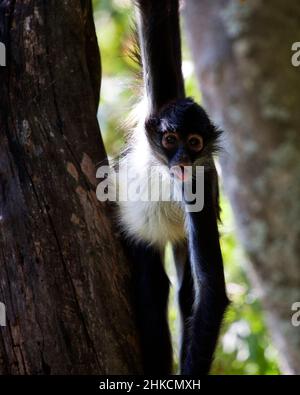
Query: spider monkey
[(171, 132)]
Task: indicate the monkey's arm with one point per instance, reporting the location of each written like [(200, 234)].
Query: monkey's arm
[(159, 41), (211, 299)]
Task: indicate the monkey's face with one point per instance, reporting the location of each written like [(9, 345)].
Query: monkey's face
[(182, 135), (181, 150)]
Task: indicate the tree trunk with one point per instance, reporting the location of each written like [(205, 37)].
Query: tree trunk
[(63, 277), (242, 52)]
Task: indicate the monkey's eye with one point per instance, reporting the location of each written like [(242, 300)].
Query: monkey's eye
[(195, 143), (169, 140)]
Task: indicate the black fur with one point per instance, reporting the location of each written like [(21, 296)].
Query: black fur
[(202, 294), (159, 36), (150, 298), (207, 266)]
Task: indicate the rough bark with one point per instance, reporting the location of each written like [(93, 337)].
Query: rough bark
[(242, 52), (63, 277)]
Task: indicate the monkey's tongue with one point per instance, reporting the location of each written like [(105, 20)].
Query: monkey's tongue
[(179, 173)]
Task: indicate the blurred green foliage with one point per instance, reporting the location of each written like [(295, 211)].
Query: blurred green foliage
[(245, 346)]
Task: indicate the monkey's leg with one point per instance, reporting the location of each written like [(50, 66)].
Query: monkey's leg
[(151, 299), (211, 299), (186, 296)]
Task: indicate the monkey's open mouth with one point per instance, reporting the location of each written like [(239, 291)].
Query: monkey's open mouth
[(181, 172)]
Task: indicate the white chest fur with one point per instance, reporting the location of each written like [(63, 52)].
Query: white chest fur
[(154, 221)]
